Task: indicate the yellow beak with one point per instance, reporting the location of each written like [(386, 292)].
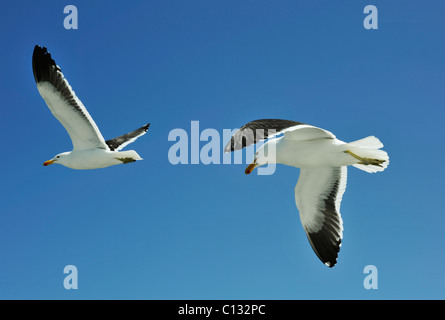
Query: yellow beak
[(250, 168), (47, 163)]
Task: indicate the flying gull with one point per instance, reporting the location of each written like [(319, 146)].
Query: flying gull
[(323, 161), (90, 150)]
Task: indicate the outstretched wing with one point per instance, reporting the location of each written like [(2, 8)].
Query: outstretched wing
[(307, 132), (120, 142), (63, 102), (318, 195), (258, 130)]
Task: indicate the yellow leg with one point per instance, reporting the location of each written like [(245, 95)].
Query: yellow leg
[(125, 160), (366, 161)]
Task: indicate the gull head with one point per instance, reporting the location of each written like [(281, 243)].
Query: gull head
[(59, 159), (265, 155)]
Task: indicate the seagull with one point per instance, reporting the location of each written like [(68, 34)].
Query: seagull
[(323, 161), (90, 150)]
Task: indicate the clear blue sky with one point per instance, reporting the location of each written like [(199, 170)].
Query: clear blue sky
[(152, 230)]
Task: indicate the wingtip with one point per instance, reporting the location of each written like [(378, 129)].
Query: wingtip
[(37, 48), (330, 264), (39, 52), (42, 63), (229, 146)]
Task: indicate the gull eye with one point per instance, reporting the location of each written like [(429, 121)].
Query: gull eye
[(57, 157)]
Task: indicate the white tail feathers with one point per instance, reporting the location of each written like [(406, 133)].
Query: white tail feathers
[(368, 148), (130, 154), (370, 142)]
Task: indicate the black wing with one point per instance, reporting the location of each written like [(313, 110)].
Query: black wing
[(63, 102), (118, 143), (318, 196), (256, 131)]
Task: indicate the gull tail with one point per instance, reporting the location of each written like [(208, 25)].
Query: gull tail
[(368, 155), (127, 156)]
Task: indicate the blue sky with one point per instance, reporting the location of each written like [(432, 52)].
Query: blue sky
[(152, 230)]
